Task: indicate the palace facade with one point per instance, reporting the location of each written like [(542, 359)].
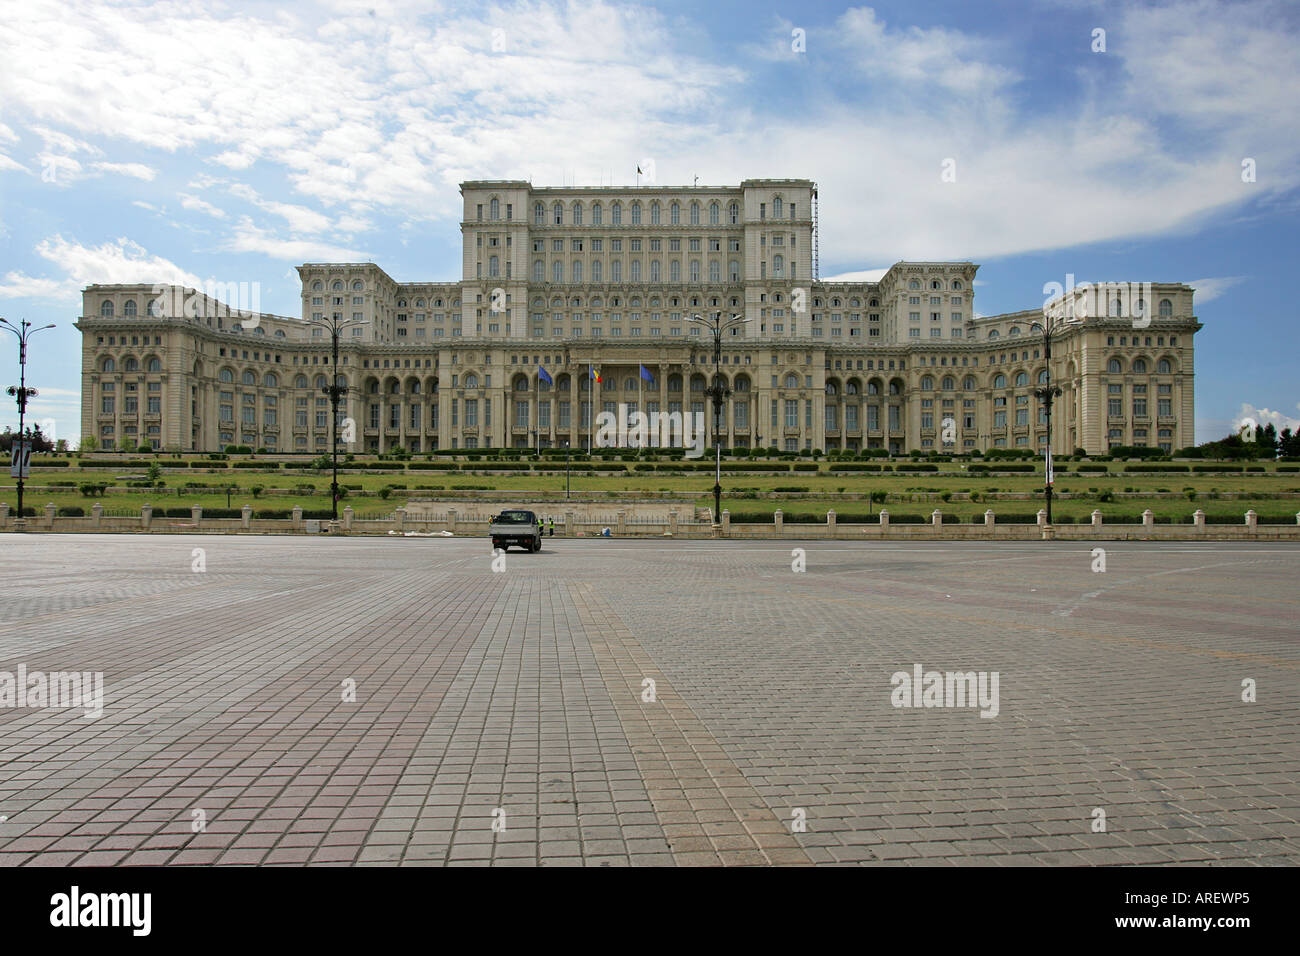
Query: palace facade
[(572, 280)]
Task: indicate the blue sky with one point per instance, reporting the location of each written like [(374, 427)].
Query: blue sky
[(191, 142)]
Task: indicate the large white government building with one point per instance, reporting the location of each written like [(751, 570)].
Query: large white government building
[(608, 277)]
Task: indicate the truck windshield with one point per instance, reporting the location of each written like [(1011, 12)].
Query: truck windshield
[(515, 517)]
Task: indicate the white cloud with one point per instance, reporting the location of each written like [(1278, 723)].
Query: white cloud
[(115, 261), (247, 237), (1263, 416), (136, 170), (1207, 290), (863, 275), (189, 201), (383, 114)]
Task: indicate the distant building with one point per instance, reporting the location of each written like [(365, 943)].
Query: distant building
[(607, 277)]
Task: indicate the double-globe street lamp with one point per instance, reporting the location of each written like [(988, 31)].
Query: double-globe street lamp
[(22, 393), (1047, 393), (718, 392), (335, 391)]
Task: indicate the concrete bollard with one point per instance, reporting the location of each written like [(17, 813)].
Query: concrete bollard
[(1252, 519), (1198, 519), (347, 518), (246, 517), (146, 516), (50, 510), (989, 518), (1096, 519), (1148, 519), (884, 518), (297, 517), (936, 518), (96, 514), (778, 519), (196, 515)]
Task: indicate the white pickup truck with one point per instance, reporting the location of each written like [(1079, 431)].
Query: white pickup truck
[(518, 528)]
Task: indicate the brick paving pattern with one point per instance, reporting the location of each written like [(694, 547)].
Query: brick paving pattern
[(498, 718)]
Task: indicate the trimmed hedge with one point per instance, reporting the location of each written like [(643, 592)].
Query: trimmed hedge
[(1155, 468), (859, 466)]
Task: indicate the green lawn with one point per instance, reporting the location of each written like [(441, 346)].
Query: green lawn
[(1269, 493)]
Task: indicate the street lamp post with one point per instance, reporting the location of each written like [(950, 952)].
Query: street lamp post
[(22, 393), (566, 470), (718, 392), (1047, 393), (335, 391)]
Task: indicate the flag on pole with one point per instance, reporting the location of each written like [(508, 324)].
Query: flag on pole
[(1049, 466), (594, 374), (544, 376), (646, 376)]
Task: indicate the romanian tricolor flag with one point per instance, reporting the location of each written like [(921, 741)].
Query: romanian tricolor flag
[(594, 374)]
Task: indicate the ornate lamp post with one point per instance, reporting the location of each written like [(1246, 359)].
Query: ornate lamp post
[(335, 391), (718, 392), (1047, 393), (22, 393)]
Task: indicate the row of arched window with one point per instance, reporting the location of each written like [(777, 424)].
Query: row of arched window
[(131, 364), (338, 285)]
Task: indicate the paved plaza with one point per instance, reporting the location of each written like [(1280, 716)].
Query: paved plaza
[(382, 701)]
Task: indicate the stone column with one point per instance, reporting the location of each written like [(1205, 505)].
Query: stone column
[(989, 518), (50, 511), (4, 514), (1096, 519), (1042, 517), (347, 518), (451, 520), (96, 514), (726, 521), (246, 517), (570, 524), (1148, 520), (830, 521), (196, 515), (672, 521), (400, 516), (621, 524), (778, 519), (884, 518), (936, 518), (146, 516), (1198, 519), (1252, 520), (296, 517)]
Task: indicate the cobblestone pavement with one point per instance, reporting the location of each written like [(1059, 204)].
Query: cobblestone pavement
[(391, 701)]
